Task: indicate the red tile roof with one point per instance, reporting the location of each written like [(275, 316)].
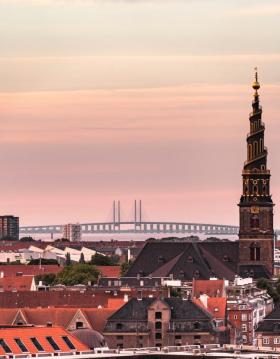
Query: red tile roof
[(213, 288), (215, 306), (110, 271), (61, 317), (25, 334), (24, 269), (16, 283)]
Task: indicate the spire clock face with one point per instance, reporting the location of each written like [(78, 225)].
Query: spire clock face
[(255, 209)]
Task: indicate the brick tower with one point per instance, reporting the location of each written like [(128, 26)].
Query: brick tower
[(256, 234)]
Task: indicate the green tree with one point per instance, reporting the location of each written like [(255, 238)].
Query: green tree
[(101, 260), (264, 283), (125, 267), (77, 274), (47, 279), (82, 258), (67, 259), (26, 239)]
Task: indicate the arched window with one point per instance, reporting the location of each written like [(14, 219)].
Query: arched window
[(261, 145), (255, 148), (255, 251), (250, 152)]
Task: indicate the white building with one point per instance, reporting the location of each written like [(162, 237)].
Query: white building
[(72, 232)]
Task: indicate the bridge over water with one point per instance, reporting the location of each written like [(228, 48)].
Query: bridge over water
[(137, 226)]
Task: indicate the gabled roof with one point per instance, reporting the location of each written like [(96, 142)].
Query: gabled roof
[(24, 269), (61, 298), (186, 260), (213, 288), (62, 317), (24, 283), (215, 306), (180, 309), (271, 323), (110, 271), (9, 335), (254, 270)]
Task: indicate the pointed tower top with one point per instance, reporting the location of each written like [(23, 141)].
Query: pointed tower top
[(256, 85)]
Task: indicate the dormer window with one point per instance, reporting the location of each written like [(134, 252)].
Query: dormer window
[(196, 274), (161, 260), (226, 258), (190, 259)]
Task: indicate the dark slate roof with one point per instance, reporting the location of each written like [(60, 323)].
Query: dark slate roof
[(135, 309), (186, 309), (271, 323), (180, 309), (254, 270), (187, 260)]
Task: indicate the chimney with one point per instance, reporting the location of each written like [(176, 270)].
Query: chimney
[(49, 324)]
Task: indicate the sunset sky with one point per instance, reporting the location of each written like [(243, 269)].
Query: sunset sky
[(133, 99)]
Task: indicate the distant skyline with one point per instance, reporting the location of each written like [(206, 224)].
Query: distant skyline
[(104, 100)]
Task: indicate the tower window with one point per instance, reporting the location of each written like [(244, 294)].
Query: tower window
[(255, 222), (158, 315), (255, 252)]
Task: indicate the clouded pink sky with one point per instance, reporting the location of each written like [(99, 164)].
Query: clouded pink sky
[(135, 99)]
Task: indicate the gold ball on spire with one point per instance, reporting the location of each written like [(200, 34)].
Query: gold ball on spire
[(256, 85)]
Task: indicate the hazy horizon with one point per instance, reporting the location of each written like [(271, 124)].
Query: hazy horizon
[(104, 100)]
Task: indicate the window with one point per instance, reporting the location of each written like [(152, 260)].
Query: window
[(265, 340), (255, 251), (120, 345), (235, 316), (244, 328), (21, 346), (196, 325), (52, 343), (119, 337), (79, 325), (179, 337), (158, 325), (158, 315), (276, 340), (158, 336), (5, 346), (37, 344), (244, 317), (68, 342), (119, 326), (244, 338)]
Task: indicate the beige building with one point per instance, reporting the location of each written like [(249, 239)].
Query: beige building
[(72, 232)]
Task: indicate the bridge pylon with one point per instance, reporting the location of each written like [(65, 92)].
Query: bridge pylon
[(137, 215), (116, 213)]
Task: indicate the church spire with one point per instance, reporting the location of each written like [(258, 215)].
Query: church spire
[(256, 86), (256, 234)]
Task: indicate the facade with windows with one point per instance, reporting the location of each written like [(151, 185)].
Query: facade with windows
[(268, 331), (162, 322), (9, 228), (72, 232)]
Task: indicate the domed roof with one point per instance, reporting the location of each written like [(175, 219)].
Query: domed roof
[(91, 338)]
